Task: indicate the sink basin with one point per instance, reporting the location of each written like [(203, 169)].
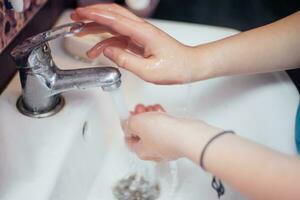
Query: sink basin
[(79, 152)]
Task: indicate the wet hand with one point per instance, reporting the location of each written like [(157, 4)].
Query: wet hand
[(157, 136), (137, 45)]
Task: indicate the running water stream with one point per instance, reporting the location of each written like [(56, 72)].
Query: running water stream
[(142, 183)]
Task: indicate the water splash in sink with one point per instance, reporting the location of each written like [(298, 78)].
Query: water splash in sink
[(139, 184), (142, 173), (136, 187)]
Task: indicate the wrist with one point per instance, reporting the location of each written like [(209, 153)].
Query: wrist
[(203, 62), (203, 67), (198, 145), (194, 138), (196, 62)]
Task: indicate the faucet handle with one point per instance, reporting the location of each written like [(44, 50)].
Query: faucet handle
[(23, 50)]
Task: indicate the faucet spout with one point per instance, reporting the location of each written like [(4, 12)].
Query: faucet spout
[(108, 78)]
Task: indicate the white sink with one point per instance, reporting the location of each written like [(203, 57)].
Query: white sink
[(75, 154)]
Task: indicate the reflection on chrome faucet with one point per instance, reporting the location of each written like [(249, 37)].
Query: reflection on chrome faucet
[(42, 81)]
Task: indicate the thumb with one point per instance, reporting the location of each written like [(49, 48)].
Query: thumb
[(126, 60)]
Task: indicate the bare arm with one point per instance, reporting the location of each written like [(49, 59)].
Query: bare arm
[(269, 48), (256, 171)]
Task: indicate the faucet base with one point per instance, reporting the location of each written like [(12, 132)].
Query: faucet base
[(24, 111)]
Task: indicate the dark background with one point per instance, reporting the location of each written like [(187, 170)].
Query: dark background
[(238, 14)]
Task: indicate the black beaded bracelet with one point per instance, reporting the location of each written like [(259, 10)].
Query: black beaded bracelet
[(216, 183)]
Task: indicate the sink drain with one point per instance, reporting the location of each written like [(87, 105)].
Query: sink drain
[(135, 187)]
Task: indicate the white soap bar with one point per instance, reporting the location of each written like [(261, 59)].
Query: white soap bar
[(78, 46)]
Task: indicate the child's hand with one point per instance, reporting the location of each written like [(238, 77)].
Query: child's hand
[(156, 136), (137, 45), (140, 108)]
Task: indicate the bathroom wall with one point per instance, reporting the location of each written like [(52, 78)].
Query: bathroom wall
[(241, 15), (39, 16), (12, 22)]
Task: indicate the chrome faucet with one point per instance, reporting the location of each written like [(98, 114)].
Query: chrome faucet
[(43, 82)]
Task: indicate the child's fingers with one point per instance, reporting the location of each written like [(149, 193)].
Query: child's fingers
[(75, 17), (107, 7), (120, 42), (120, 24), (155, 108), (150, 109), (94, 28), (140, 108), (117, 9), (158, 108)]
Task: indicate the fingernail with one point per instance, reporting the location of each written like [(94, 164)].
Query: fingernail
[(108, 52), (92, 54)]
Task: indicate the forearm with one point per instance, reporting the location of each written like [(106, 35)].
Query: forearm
[(258, 172), (269, 48)]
